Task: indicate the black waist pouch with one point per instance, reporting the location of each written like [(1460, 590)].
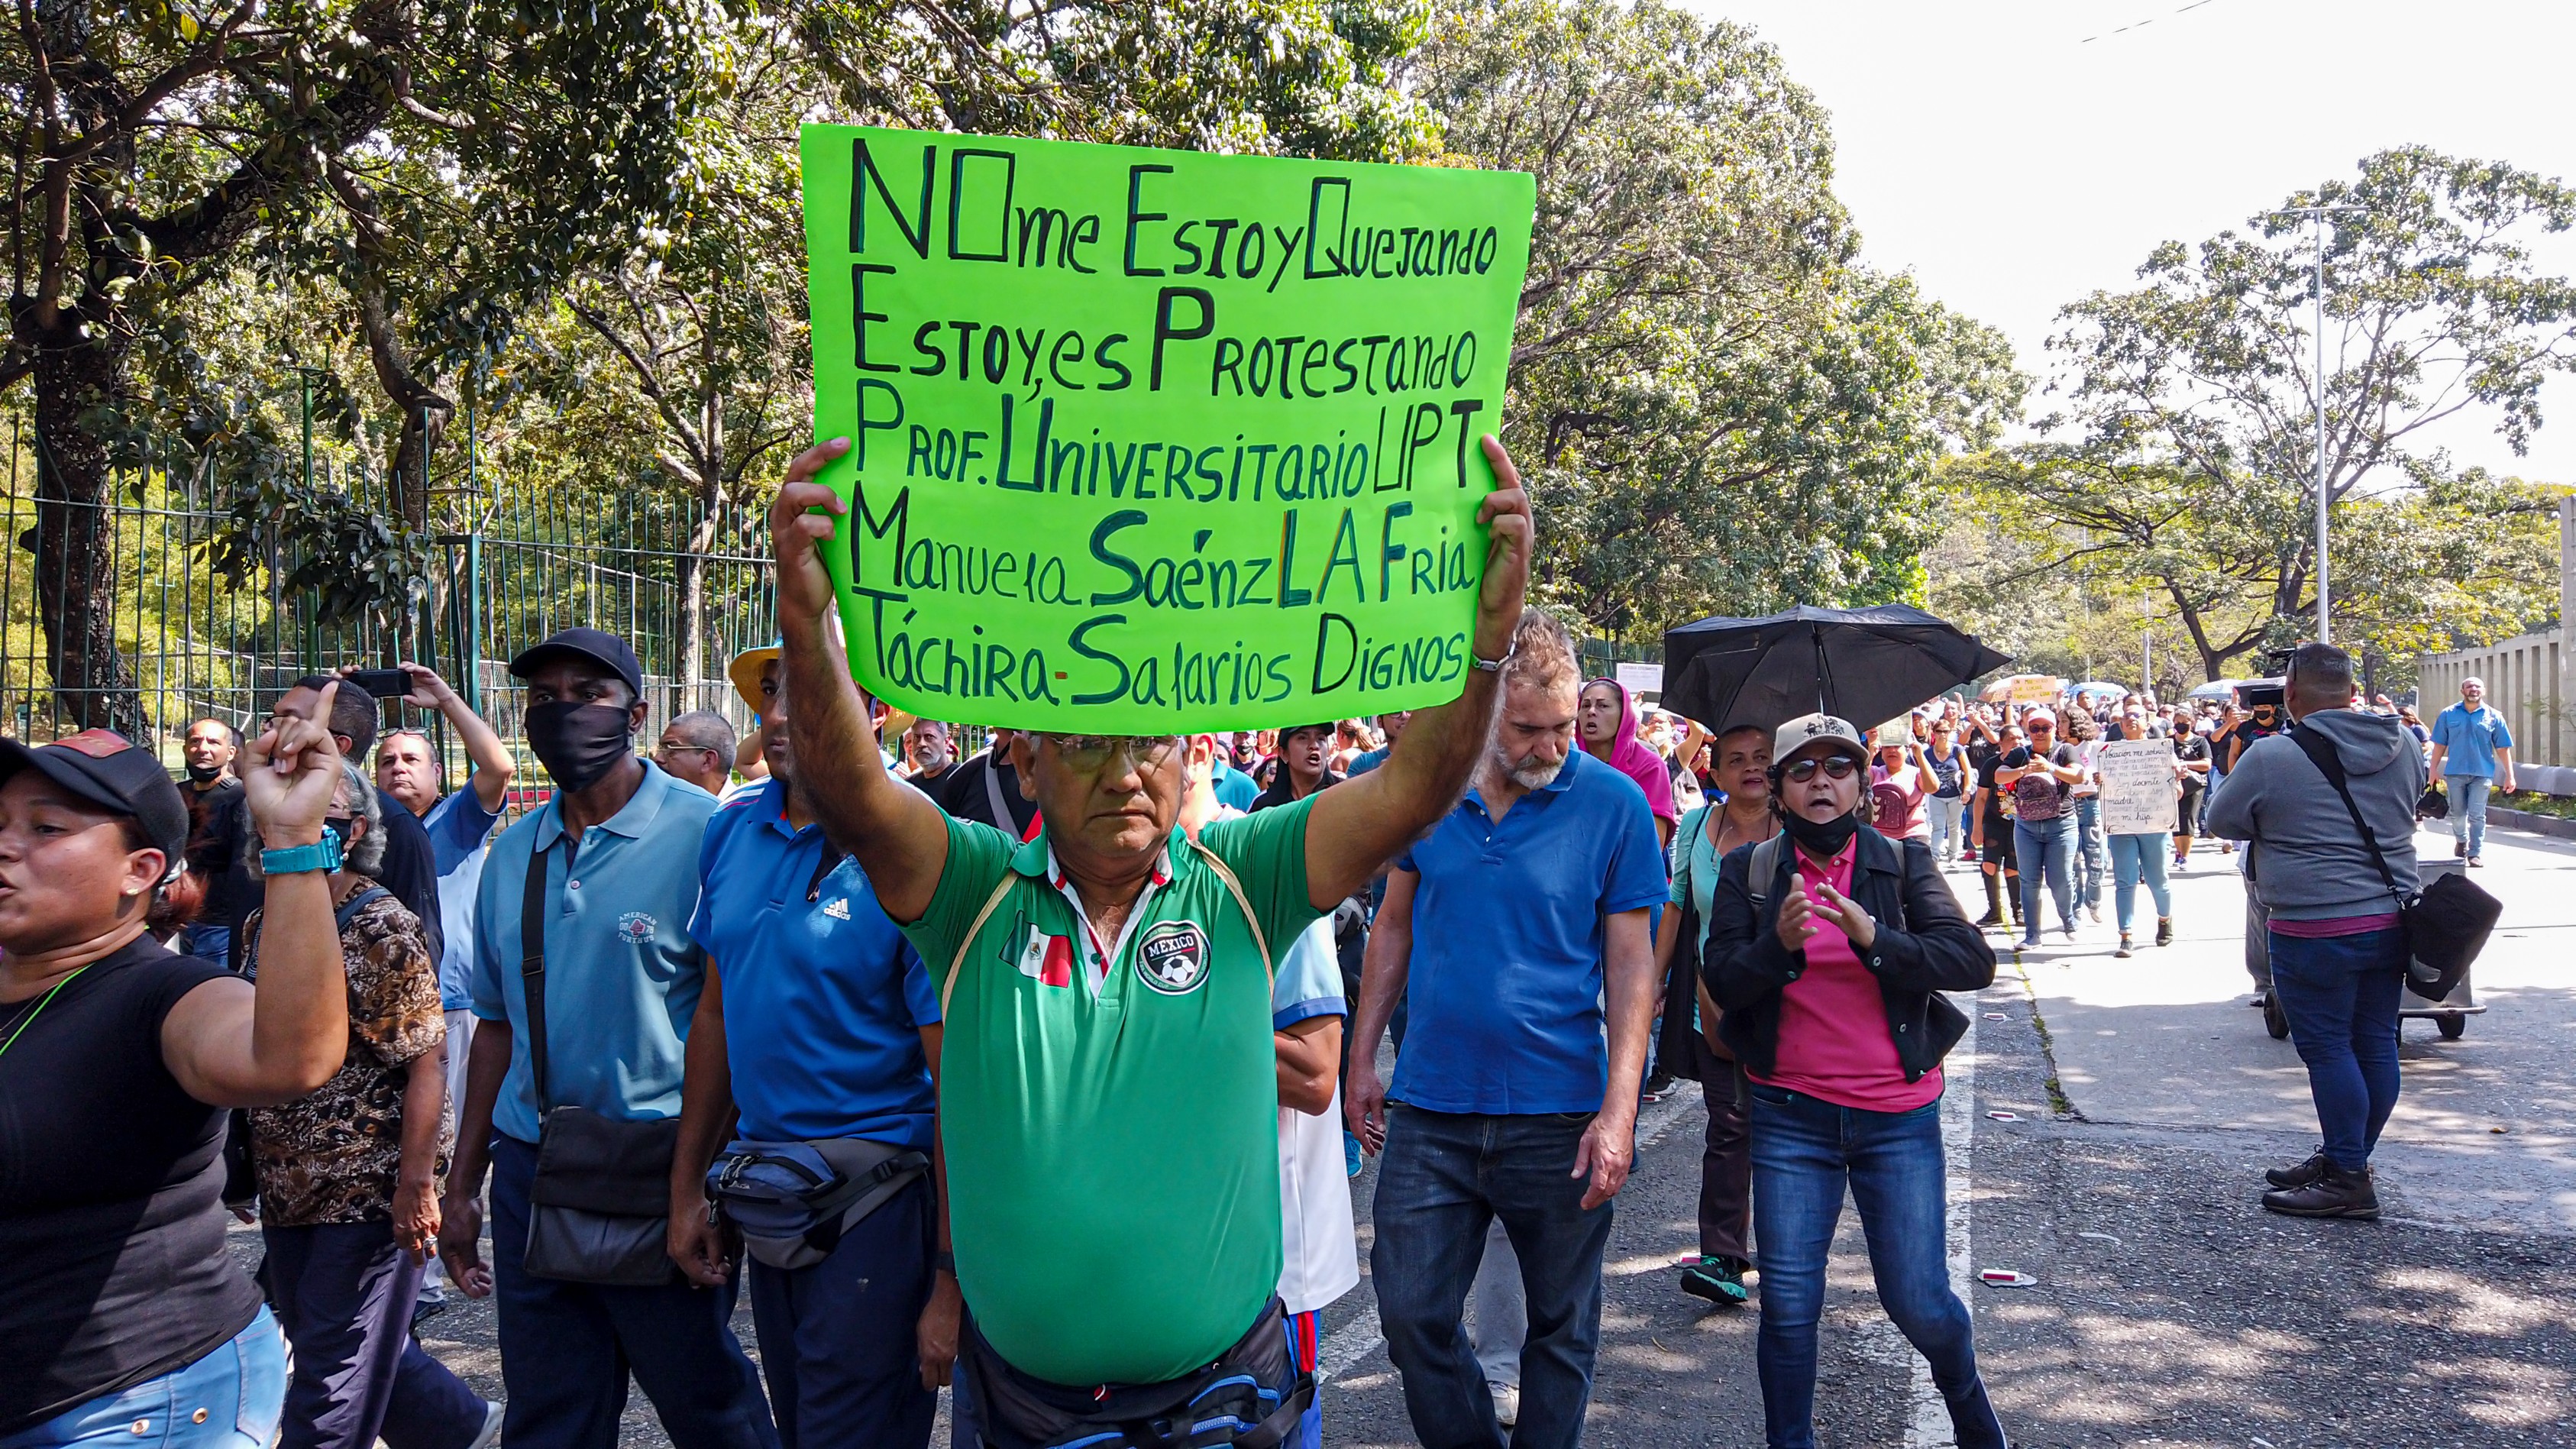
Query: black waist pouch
[(1250, 1398)]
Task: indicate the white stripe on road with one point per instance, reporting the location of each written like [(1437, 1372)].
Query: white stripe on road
[(1929, 1427), (1360, 1337)]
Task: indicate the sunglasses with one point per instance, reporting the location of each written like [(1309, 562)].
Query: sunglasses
[(1090, 753), (1836, 767)]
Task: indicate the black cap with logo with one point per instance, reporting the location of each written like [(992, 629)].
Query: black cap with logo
[(596, 645), (105, 769)]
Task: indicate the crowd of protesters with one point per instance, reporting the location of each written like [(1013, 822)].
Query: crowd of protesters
[(913, 1030)]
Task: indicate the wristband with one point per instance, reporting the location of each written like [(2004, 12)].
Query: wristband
[(944, 1263), (322, 855), (1491, 666)]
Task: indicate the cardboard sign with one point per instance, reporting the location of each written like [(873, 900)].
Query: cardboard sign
[(1641, 678), (2137, 787), (1151, 441)]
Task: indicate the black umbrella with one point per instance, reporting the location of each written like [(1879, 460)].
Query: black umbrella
[(1865, 665)]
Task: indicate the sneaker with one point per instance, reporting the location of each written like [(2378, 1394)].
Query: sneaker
[(1720, 1280), (490, 1434), (2096, 910), (2479, 861), (2336, 1194), (2260, 1001), (2124, 953), (2459, 850), (425, 1309), (2068, 929), (1507, 1403), (2030, 942), (1658, 1089), (2301, 1175), (1988, 921), (2164, 930)]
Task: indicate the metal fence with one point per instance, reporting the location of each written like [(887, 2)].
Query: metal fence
[(507, 568)]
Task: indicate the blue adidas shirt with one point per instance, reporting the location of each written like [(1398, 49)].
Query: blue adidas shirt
[(622, 975), (823, 997), (1506, 1013)]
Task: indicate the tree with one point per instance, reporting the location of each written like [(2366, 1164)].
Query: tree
[(442, 161), (2434, 309), (1718, 411)]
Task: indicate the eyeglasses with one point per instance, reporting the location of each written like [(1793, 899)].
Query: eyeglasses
[(1836, 767), (1091, 753), (666, 749)]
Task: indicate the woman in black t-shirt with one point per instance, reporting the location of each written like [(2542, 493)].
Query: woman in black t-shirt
[(124, 1311)]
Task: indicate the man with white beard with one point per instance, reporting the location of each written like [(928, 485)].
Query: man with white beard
[(1508, 922)]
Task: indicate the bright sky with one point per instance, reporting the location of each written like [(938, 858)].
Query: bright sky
[(2014, 166)]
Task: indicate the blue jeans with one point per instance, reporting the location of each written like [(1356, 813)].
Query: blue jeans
[(1443, 1178), (567, 1348), (839, 1340), (2089, 861), (1949, 825), (2341, 994), (214, 943), (2135, 858), (344, 1294), (2469, 809), (240, 1388), (1805, 1152), (2046, 850)]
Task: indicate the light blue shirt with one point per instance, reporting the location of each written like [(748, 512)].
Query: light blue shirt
[(622, 975), (460, 835), (1308, 981), (2469, 741)]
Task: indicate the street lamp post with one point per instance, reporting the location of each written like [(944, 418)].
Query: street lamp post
[(2318, 215)]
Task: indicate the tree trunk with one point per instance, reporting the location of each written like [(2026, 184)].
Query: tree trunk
[(73, 543)]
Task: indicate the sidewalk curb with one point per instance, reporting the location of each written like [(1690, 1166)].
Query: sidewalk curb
[(2524, 820)]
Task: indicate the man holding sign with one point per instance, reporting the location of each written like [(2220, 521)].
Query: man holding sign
[(1108, 1095)]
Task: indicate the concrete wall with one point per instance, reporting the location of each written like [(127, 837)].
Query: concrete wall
[(2529, 679)]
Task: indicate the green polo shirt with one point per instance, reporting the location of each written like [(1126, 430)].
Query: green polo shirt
[(1113, 1153)]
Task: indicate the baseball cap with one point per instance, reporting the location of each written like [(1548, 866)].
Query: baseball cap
[(1808, 730), (2039, 716), (597, 645), (113, 773)]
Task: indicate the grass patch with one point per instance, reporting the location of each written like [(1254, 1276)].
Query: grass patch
[(2532, 802)]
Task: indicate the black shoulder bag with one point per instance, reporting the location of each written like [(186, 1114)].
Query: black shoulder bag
[(2446, 925), (599, 1211)]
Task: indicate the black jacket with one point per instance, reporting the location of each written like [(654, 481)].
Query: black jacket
[(1924, 947)]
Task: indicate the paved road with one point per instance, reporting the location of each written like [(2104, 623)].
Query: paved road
[(2168, 1308)]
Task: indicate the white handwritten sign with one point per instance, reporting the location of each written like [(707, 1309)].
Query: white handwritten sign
[(2137, 787)]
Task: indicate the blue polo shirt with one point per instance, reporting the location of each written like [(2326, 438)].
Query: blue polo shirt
[(823, 997), (460, 833), (1505, 977), (2469, 741), (1235, 790), (622, 975)]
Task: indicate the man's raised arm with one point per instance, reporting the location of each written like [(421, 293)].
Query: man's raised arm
[(1360, 824), (897, 836)]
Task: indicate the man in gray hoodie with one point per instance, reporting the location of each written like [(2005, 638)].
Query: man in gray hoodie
[(2338, 956)]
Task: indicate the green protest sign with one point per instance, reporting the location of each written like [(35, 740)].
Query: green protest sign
[(1150, 441)]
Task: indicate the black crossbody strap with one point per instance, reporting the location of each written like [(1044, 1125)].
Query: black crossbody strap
[(532, 970), (2321, 753)]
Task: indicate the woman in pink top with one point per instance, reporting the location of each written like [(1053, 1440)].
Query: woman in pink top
[(1609, 728), (1828, 949)]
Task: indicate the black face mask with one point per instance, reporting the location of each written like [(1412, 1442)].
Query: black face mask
[(207, 775), (1823, 839), (339, 828), (579, 744)]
